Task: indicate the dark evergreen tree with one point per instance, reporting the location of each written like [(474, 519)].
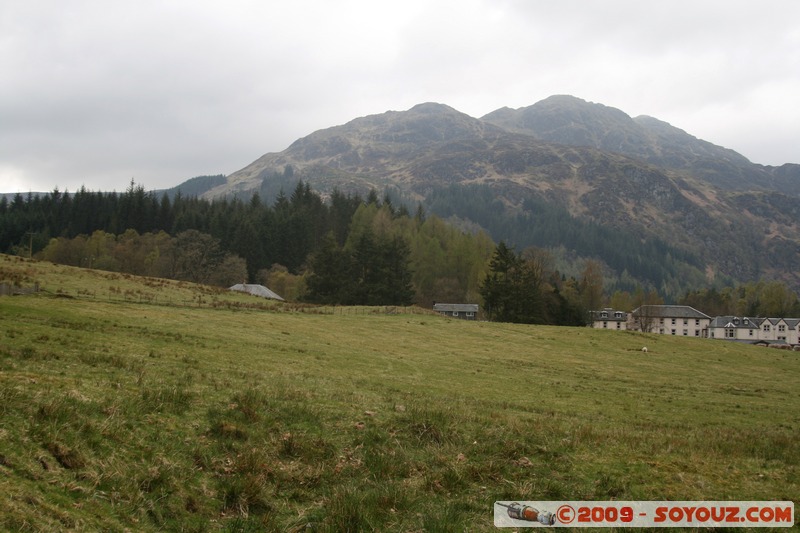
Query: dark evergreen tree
[(375, 272), (341, 211), (396, 259), (497, 288), (331, 280), (513, 289)]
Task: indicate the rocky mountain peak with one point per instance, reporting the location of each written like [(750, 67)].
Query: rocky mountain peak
[(594, 161)]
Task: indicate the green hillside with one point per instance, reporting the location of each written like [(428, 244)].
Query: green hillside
[(143, 404)]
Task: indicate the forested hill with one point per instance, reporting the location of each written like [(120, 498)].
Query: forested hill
[(654, 204)]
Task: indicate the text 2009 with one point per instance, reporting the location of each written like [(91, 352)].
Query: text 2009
[(604, 514)]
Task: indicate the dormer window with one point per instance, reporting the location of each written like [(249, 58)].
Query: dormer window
[(604, 314), (618, 315)]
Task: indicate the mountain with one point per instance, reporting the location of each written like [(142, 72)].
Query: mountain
[(368, 152), (660, 205), (572, 121)]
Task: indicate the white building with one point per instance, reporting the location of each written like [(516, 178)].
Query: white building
[(769, 330), (680, 320), (609, 318), (686, 321)]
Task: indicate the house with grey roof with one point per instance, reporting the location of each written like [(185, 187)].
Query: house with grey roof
[(736, 328), (792, 331), (462, 311), (781, 329), (768, 331), (680, 320), (608, 318), (686, 321)]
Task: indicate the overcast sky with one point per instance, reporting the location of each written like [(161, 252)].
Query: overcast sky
[(99, 92)]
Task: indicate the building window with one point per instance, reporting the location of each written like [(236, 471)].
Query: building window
[(604, 315), (766, 327), (673, 331), (685, 332), (619, 325), (673, 321), (697, 333), (730, 333), (781, 328), (697, 322), (782, 338), (685, 321), (605, 324), (455, 313), (470, 314), (751, 332)]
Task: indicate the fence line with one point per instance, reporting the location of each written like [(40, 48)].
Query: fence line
[(9, 289)]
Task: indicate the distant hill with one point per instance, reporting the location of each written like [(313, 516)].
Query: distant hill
[(195, 186), (650, 193), (192, 187)]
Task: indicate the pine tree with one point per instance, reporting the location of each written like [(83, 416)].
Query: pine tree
[(331, 280), (512, 291)]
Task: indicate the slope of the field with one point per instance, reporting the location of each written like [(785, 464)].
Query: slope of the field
[(141, 404)]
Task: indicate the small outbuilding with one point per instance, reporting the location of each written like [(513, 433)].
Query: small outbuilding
[(256, 290), (462, 311)]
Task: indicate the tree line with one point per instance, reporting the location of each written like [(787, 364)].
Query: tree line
[(524, 288), (752, 299), (285, 232), (395, 258), (344, 249), (188, 256)]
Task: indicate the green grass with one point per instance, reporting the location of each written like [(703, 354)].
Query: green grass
[(198, 410)]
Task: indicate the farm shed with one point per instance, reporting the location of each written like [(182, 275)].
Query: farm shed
[(256, 290), (463, 311)]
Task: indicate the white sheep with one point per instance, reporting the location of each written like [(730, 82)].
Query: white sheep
[(644, 349)]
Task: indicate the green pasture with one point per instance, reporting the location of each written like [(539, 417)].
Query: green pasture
[(133, 404)]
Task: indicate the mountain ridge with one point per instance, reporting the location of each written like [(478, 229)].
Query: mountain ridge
[(640, 174)]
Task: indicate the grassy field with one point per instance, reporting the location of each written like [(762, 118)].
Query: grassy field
[(132, 404)]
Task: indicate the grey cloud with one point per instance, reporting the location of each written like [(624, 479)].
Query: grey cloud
[(97, 93)]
